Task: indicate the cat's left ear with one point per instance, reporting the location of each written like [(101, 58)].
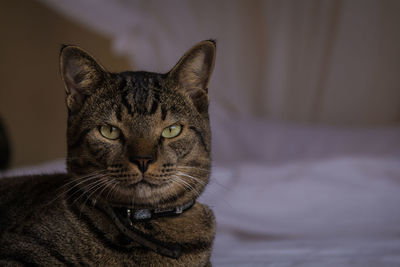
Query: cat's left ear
[(81, 75), (193, 73)]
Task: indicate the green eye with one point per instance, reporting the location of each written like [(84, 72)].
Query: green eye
[(110, 132), (171, 131)]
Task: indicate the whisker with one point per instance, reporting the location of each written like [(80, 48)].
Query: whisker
[(86, 189), (191, 188), (212, 181), (64, 190), (191, 177), (112, 188), (107, 184), (78, 184), (195, 168), (178, 181), (103, 184), (82, 177)]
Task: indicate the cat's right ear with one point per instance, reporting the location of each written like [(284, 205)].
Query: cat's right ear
[(81, 75), (193, 72)]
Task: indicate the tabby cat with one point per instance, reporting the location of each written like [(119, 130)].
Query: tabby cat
[(138, 158)]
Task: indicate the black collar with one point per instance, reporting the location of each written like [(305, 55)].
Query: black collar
[(135, 215), (124, 219)]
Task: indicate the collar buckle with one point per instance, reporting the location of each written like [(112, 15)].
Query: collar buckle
[(179, 210), (144, 214)]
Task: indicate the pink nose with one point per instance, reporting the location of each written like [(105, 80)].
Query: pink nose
[(142, 162)]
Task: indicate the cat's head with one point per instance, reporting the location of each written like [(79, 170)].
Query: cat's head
[(138, 138)]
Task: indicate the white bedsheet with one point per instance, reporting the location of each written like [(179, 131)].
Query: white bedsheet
[(338, 212)]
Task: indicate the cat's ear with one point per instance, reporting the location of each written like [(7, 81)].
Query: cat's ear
[(81, 75), (193, 72)]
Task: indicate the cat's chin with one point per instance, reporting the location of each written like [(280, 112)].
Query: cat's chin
[(141, 192)]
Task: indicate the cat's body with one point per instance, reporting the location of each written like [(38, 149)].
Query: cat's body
[(137, 142), (49, 233)]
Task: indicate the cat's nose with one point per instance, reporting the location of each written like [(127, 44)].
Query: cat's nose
[(142, 162)]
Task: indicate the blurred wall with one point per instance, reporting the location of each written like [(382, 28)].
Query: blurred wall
[(330, 62), (31, 93)]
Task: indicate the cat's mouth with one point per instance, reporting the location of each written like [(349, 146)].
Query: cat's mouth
[(148, 183), (141, 180)]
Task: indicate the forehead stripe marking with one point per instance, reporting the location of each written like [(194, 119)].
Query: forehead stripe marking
[(126, 103), (154, 107), (163, 112), (122, 85), (156, 101), (118, 113)]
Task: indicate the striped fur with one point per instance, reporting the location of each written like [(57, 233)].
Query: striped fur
[(55, 219)]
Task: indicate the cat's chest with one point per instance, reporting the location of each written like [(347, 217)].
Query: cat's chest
[(192, 232), (193, 226)]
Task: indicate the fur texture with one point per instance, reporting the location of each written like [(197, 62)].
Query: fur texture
[(57, 219)]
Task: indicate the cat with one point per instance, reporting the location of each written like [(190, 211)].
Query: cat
[(138, 157)]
